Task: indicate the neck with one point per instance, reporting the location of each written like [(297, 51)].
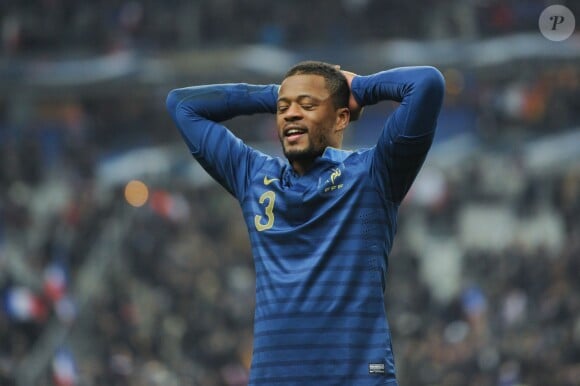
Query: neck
[(303, 162), (302, 166)]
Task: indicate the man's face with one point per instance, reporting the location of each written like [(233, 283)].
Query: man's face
[(306, 117)]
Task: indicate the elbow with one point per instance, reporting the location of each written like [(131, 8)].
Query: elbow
[(433, 83), (172, 101), (432, 79), (430, 90)]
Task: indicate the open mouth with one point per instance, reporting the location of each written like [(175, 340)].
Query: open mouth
[(294, 133)]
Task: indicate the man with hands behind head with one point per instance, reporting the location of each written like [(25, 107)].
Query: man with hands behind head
[(321, 222)]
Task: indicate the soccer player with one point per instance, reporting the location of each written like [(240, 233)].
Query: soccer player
[(322, 221)]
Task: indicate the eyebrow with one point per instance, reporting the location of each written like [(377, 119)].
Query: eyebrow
[(300, 97)]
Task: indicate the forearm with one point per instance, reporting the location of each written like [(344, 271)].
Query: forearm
[(197, 112), (408, 132), (419, 89), (222, 102)]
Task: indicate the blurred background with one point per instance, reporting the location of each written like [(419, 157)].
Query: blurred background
[(122, 263)]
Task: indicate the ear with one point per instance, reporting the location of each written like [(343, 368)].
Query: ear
[(342, 119)]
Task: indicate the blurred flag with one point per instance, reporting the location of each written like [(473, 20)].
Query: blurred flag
[(22, 304), (55, 281), (64, 368)]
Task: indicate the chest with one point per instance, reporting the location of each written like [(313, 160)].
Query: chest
[(278, 202)]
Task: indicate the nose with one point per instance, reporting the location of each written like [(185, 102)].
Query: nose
[(293, 113)]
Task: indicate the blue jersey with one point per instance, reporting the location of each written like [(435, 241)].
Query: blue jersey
[(321, 240)]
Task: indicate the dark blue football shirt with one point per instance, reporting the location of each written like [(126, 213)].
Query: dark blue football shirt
[(321, 240)]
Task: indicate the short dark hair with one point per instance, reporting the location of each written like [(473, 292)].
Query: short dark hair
[(335, 80)]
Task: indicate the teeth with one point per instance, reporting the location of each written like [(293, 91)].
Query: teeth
[(293, 131)]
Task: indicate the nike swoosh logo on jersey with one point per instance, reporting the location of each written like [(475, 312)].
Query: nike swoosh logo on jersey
[(268, 181)]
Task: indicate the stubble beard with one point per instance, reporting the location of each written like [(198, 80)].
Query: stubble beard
[(310, 152)]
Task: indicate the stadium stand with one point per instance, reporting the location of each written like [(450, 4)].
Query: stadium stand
[(483, 286)]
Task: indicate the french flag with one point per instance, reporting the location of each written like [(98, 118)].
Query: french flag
[(22, 304), (64, 369), (55, 281)]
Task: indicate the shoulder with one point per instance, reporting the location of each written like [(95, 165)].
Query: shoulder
[(353, 162), (267, 165), (341, 156)]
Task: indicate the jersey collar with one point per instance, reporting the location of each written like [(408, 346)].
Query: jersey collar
[(335, 155), (330, 155)]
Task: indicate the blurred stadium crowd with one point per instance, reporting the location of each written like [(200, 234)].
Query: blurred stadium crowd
[(65, 25), (484, 282)]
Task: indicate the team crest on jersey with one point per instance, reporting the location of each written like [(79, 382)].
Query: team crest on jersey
[(332, 181)]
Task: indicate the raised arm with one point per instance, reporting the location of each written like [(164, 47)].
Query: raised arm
[(197, 110), (220, 102), (408, 132)]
